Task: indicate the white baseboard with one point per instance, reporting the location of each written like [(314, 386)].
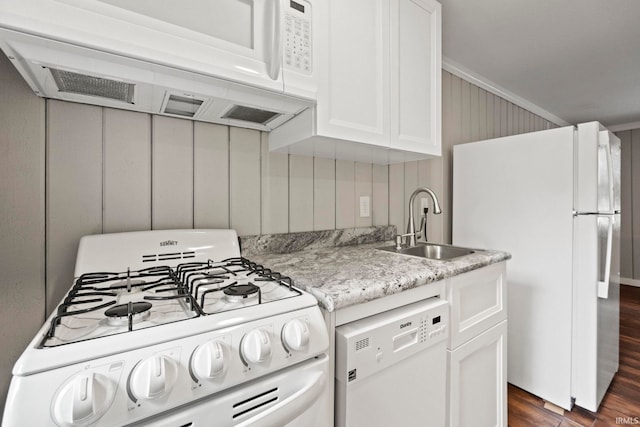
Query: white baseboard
[(630, 282)]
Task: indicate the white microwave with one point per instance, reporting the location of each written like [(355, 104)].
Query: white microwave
[(246, 63), (261, 43)]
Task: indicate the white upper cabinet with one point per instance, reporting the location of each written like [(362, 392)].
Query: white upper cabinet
[(353, 99), (415, 87), (379, 94)]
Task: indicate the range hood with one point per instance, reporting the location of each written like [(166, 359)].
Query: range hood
[(65, 71)]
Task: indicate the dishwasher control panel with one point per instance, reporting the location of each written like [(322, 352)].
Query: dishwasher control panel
[(369, 345)]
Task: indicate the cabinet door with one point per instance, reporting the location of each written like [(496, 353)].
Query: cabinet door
[(478, 300), (353, 100), (415, 73), (478, 380)]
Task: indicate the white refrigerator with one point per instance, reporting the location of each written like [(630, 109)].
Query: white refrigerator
[(551, 199)]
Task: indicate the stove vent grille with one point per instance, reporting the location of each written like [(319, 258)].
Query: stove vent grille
[(182, 105), (168, 256), (248, 114), (83, 84), (257, 402)]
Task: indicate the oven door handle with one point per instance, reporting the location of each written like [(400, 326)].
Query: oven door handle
[(291, 407)]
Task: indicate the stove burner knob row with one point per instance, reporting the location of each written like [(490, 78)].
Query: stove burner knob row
[(255, 347), (295, 335), (153, 378), (83, 399), (207, 361)]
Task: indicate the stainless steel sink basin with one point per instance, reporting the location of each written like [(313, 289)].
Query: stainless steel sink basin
[(430, 251)]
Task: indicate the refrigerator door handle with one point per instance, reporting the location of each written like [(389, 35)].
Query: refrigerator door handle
[(603, 285), (605, 147)]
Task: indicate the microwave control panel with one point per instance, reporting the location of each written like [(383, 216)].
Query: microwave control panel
[(297, 37)]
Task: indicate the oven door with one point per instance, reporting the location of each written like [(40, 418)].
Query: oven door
[(240, 40), (298, 396)]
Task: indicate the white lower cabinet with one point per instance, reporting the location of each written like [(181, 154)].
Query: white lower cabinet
[(477, 348), (478, 380)]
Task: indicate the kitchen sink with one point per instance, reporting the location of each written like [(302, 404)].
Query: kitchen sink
[(430, 251)]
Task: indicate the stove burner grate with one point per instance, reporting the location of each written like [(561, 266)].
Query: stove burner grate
[(188, 282)]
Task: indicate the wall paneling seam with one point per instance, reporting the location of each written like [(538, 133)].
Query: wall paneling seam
[(193, 173), (46, 204), (313, 196), (229, 178), (104, 169), (151, 157), (631, 186)]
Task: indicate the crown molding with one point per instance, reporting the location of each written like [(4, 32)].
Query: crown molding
[(624, 126), (488, 85)]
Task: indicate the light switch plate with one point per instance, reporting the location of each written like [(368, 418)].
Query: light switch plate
[(365, 206)]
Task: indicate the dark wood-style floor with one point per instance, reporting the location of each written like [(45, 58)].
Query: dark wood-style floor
[(621, 404)]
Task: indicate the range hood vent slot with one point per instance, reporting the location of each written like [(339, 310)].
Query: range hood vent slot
[(248, 114), (83, 84), (182, 106)]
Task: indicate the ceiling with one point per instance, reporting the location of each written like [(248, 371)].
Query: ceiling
[(578, 60)]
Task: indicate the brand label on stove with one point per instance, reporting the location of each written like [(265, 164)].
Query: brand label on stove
[(169, 243)]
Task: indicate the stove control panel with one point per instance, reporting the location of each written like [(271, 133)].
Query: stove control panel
[(131, 386)]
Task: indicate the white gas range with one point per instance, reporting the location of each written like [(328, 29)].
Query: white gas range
[(174, 328)]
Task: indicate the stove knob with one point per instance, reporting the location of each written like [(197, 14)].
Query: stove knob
[(153, 377), (295, 335), (83, 400), (255, 347), (208, 360)]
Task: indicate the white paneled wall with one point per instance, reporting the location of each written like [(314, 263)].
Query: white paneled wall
[(275, 190), (324, 194), (127, 171), (301, 193), (74, 182), (172, 179), (211, 176), (22, 218), (110, 170), (630, 207), (244, 181)]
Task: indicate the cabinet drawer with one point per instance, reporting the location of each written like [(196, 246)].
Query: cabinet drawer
[(478, 300)]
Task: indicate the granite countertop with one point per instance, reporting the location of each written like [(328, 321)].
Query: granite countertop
[(347, 275)]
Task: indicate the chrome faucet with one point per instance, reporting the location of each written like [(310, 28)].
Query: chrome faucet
[(411, 226)]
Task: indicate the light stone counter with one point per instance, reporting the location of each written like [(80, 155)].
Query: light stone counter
[(343, 276)]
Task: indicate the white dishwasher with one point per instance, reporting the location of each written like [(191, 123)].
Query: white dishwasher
[(391, 368)]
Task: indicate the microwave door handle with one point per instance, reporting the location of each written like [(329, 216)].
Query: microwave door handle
[(276, 42), (603, 285)]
